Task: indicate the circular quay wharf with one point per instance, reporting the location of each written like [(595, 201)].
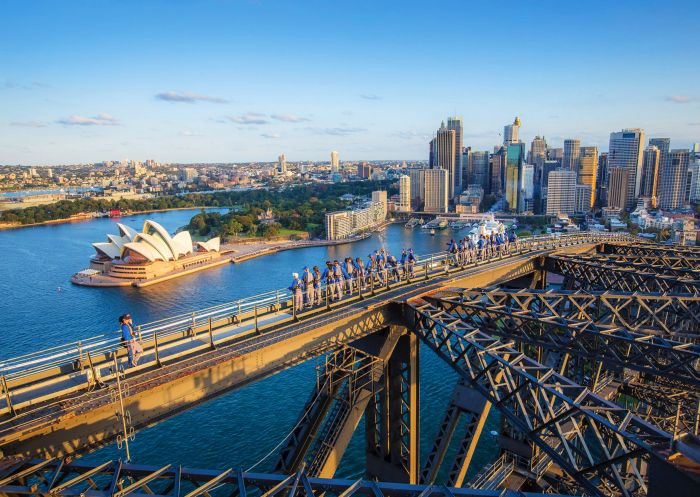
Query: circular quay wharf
[(596, 382)]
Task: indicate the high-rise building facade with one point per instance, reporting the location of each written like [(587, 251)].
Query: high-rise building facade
[(514, 164), (364, 170), (572, 151), (588, 170), (626, 151), (650, 174), (281, 165), (538, 149), (466, 164), (602, 181), (455, 124), (673, 179), (497, 164), (405, 193), (436, 190), (335, 161), (417, 176), (583, 199), (479, 169), (618, 183), (511, 132), (561, 192), (445, 153), (380, 196)]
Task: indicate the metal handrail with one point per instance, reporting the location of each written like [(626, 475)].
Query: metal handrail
[(65, 354)]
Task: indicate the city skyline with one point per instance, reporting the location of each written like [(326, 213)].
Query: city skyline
[(245, 81)]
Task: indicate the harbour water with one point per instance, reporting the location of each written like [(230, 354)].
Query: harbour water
[(40, 308)]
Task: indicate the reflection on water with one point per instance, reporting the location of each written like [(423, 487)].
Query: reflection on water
[(41, 308)]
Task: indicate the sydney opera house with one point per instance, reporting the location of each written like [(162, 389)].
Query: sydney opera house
[(151, 255)]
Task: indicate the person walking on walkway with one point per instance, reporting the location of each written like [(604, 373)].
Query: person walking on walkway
[(129, 340), (317, 286), (308, 280), (297, 294)]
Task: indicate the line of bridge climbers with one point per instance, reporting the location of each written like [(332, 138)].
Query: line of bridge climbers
[(382, 267)]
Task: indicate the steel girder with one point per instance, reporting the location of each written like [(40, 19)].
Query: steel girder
[(673, 409), (601, 275), (533, 318), (119, 479), (610, 446), (669, 266), (651, 249)]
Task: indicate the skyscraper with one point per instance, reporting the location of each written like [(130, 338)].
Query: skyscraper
[(588, 170), (380, 196), (436, 190), (618, 183), (281, 165), (405, 193), (663, 144), (479, 169), (672, 179), (602, 182), (497, 163), (335, 161), (626, 151), (455, 123), (445, 154), (466, 162), (650, 173), (511, 132), (538, 148), (417, 175), (514, 164), (561, 192), (572, 151)]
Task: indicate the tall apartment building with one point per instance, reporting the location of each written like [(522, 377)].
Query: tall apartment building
[(561, 192), (417, 176), (673, 179), (572, 151), (364, 170), (648, 185), (405, 193), (583, 199), (511, 132), (380, 196), (281, 165), (455, 124), (436, 190), (335, 161), (514, 164), (618, 183), (445, 154), (626, 151), (588, 170), (343, 224)]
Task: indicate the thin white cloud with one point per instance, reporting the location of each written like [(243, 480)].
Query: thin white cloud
[(679, 99), (289, 118), (189, 133), (370, 96), (248, 118), (337, 131), (98, 120), (411, 135), (28, 124), (188, 97), (271, 136)]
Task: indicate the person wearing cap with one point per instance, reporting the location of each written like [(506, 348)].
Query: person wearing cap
[(338, 278), (349, 273), (308, 280), (295, 288), (129, 339), (360, 272), (411, 262), (317, 285)]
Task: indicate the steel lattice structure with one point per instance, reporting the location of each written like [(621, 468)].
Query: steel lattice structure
[(565, 321), (119, 479), (601, 445), (591, 273), (649, 249)]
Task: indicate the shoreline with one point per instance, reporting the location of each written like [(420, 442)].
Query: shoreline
[(77, 219)]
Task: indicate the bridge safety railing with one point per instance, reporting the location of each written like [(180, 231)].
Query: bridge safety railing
[(75, 354)]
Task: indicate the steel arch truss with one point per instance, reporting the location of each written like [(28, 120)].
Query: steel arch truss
[(650, 249), (601, 445), (562, 321), (118, 479), (677, 267), (595, 274)]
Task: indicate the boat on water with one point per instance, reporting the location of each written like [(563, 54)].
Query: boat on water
[(432, 232), (488, 225)]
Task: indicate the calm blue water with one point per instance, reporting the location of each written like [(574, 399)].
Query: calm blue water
[(41, 308)]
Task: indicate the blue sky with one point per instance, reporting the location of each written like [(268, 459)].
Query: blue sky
[(234, 81)]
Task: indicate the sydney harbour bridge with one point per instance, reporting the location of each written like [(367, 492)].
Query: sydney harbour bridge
[(596, 381)]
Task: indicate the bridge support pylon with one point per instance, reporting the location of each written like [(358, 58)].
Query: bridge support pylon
[(392, 418)]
